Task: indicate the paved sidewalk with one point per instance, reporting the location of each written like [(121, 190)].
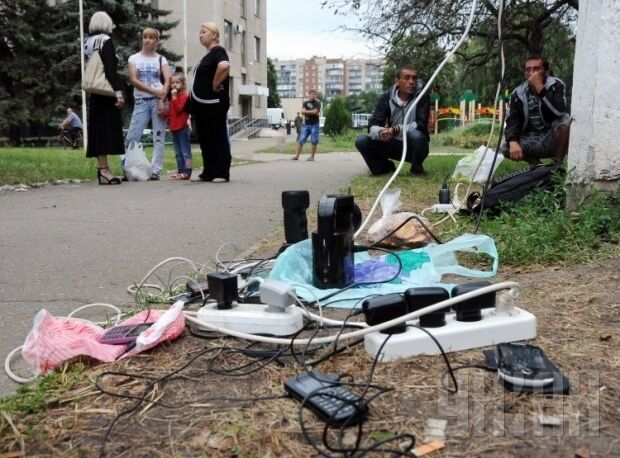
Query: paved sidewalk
[(68, 245)]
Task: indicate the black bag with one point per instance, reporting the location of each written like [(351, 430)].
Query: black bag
[(513, 188)]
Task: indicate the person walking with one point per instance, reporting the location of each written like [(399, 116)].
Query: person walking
[(150, 75), (209, 106), (104, 126)]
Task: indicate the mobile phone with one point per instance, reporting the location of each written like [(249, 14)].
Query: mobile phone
[(123, 335), (326, 397), (523, 365)]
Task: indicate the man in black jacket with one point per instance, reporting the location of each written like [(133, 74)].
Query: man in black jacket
[(385, 133), (538, 122)]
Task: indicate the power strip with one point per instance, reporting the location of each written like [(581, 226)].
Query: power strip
[(455, 335), (443, 208), (252, 319)]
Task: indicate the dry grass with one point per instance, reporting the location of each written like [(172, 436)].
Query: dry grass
[(577, 310)]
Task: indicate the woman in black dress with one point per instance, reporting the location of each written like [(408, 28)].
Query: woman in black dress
[(209, 104), (105, 128)]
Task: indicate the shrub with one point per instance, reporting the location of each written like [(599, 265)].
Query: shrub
[(337, 119)]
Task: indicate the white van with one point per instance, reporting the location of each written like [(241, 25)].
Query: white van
[(276, 118)]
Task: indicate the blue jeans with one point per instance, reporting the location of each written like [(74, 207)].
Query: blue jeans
[(182, 150), (145, 110), (377, 153), (309, 130)]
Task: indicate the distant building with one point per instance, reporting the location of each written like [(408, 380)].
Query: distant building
[(243, 32), (331, 77)]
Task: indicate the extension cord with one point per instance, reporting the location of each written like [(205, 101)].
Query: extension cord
[(455, 335), (443, 208), (252, 319)]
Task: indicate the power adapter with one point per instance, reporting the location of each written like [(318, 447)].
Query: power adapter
[(379, 309), (223, 288)]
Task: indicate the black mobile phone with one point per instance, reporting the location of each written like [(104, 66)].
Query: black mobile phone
[(523, 365), (325, 396), (123, 335)]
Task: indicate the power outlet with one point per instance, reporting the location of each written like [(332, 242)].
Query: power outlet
[(443, 208)]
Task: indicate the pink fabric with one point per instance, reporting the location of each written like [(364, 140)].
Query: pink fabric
[(54, 340)]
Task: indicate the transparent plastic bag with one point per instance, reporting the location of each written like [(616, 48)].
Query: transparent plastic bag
[(137, 167), (466, 166), (411, 235)]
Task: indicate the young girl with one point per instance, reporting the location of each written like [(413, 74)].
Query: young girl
[(179, 126), (150, 75)]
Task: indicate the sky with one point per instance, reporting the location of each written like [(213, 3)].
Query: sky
[(301, 29)]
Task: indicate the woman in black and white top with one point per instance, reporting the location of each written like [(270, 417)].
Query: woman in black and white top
[(105, 127), (209, 104)]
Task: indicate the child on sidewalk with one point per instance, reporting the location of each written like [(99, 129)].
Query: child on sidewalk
[(179, 126)]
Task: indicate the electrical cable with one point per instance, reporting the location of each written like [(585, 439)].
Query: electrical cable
[(361, 332), (408, 113)]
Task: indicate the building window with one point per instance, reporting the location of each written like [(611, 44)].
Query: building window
[(228, 35), (257, 7), (257, 49), (242, 2), (244, 58)]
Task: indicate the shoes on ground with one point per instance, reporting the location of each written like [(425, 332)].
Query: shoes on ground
[(417, 170), (294, 158), (179, 176), (154, 177), (310, 159)]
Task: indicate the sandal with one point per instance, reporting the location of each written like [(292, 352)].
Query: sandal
[(179, 176)]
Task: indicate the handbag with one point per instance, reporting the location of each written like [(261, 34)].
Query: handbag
[(94, 81)]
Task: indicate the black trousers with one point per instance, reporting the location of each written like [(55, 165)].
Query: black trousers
[(377, 153), (212, 131)]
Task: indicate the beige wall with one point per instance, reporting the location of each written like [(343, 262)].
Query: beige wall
[(218, 11)]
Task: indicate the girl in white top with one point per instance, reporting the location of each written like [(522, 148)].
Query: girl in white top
[(150, 75)]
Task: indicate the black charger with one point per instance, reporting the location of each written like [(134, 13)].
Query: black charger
[(471, 309), (379, 309), (444, 192), (421, 297), (223, 288)]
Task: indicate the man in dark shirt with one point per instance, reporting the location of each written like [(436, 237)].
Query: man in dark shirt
[(538, 123), (310, 109), (384, 141)]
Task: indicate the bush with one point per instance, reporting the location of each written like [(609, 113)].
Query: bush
[(337, 119), (469, 136)]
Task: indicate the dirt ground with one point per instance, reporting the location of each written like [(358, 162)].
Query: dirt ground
[(198, 412)]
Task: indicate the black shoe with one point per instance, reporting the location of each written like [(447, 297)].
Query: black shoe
[(102, 179), (417, 170), (154, 177)]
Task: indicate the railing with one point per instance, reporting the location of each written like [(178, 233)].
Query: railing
[(247, 127)]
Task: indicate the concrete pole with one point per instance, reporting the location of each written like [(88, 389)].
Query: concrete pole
[(594, 152)]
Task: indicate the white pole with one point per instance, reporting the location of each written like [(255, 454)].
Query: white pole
[(185, 38), (85, 121)]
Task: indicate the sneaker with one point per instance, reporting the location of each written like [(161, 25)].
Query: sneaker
[(154, 177)]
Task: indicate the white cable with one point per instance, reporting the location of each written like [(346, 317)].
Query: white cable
[(412, 108), (134, 289), (361, 332), (118, 311), (10, 373), (316, 299)]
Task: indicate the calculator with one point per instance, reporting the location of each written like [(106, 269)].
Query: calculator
[(123, 335)]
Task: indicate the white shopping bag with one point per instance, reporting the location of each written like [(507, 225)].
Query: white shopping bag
[(137, 166), (475, 167)]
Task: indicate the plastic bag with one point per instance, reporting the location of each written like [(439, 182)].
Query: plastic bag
[(466, 167), (53, 340), (137, 166), (421, 267), (411, 235)]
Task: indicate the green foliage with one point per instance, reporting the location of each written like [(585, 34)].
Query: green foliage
[(364, 102), (469, 136), (33, 398), (273, 101), (40, 54), (337, 119), (542, 231)]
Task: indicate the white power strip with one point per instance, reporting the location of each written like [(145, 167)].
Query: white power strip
[(252, 319), (444, 208), (455, 335)]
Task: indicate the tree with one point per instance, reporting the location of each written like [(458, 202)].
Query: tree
[(273, 101), (364, 102), (420, 31), (337, 119), (40, 53)]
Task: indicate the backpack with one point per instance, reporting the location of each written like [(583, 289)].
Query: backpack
[(513, 188)]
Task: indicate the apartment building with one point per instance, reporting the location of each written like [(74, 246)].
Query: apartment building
[(331, 77), (243, 32)]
